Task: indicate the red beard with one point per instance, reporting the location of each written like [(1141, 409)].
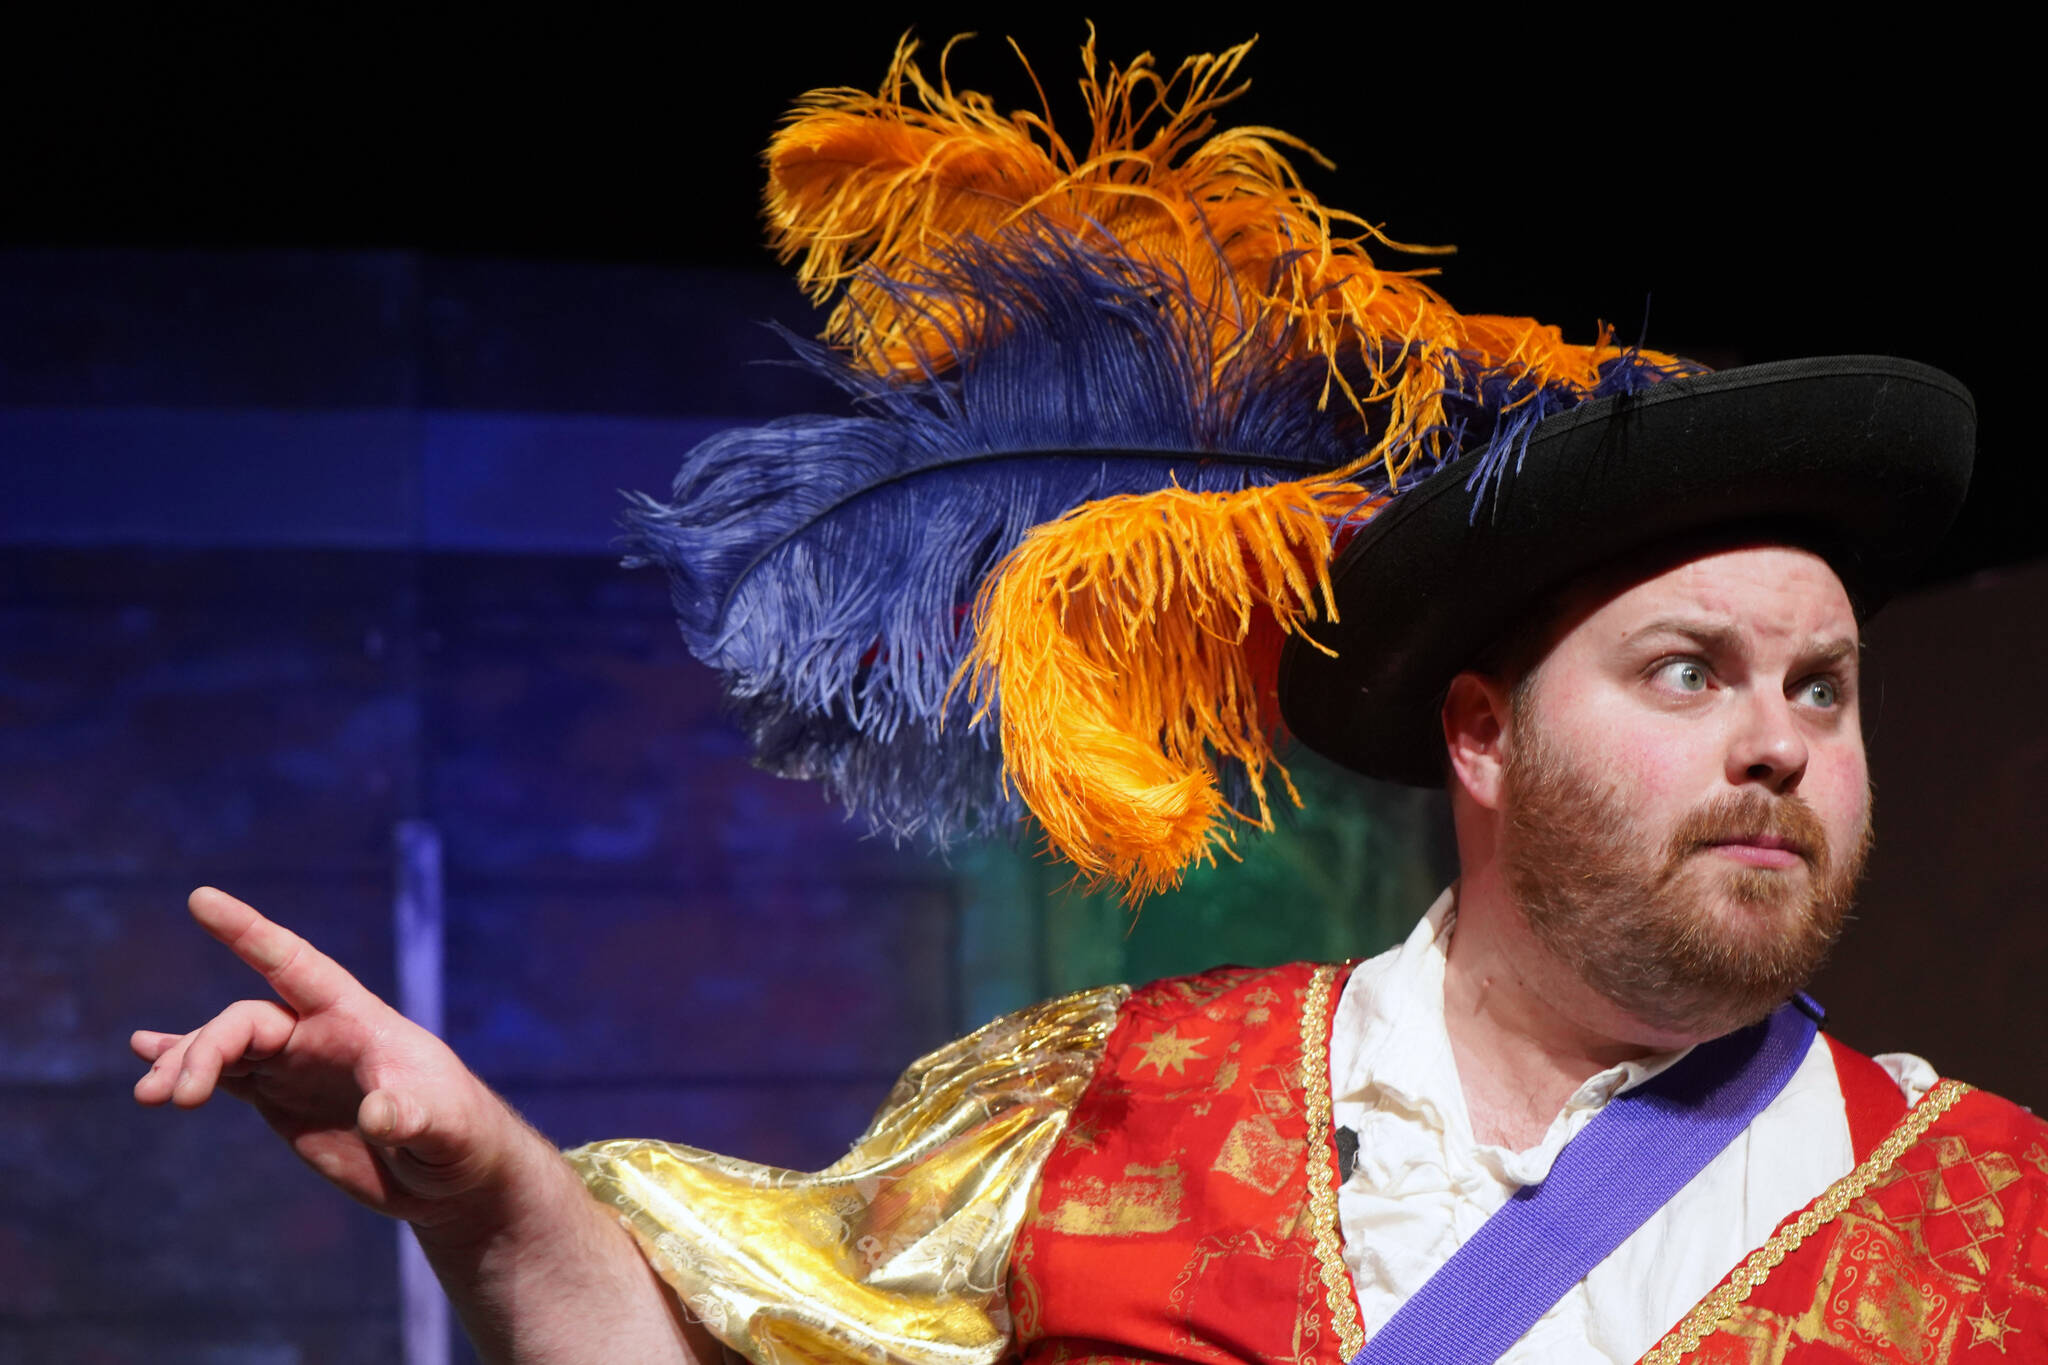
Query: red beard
[(1681, 938)]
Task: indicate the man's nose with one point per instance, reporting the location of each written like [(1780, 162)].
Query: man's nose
[(1768, 746)]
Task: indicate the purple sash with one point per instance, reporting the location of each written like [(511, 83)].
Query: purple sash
[(1642, 1149)]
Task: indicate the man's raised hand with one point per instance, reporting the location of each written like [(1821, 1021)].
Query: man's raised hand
[(370, 1100), (539, 1271)]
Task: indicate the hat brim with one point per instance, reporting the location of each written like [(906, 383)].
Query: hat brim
[(1865, 458)]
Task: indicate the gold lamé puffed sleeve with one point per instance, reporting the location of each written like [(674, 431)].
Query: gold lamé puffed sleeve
[(898, 1252)]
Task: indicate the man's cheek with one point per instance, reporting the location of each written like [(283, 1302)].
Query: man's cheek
[(1657, 782), (1842, 779)]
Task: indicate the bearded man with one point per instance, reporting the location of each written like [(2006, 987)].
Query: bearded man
[(1580, 1114), (1607, 857)]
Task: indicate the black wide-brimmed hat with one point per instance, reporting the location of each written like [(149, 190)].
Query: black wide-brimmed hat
[(1864, 459)]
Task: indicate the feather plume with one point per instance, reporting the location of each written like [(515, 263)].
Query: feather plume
[(828, 566), (869, 189), (1132, 349)]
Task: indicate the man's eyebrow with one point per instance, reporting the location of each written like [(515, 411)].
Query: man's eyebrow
[(1833, 651), (1708, 634), (1722, 636)]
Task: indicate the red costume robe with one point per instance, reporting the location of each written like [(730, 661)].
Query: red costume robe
[(1153, 1176), (1189, 1213)]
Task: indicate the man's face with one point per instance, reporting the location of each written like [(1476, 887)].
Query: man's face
[(1686, 799)]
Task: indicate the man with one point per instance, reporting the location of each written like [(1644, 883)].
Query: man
[(1724, 683), (1626, 633)]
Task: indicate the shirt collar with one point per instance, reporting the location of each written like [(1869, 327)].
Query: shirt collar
[(1390, 1046)]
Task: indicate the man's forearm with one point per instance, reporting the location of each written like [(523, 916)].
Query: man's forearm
[(541, 1274)]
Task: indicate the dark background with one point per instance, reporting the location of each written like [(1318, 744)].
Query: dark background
[(1734, 191), (324, 342)]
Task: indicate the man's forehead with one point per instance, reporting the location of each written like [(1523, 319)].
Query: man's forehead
[(1751, 589)]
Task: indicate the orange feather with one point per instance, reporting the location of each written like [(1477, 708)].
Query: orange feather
[(868, 188)]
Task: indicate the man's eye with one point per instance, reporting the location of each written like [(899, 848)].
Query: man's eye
[(1685, 675), (1821, 692)]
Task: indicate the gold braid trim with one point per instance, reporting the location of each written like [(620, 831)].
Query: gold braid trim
[(1322, 1195), (1715, 1309)]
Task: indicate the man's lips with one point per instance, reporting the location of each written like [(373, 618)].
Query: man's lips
[(1760, 850)]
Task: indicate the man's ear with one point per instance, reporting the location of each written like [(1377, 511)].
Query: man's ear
[(1475, 721)]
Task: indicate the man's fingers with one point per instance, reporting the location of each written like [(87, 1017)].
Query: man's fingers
[(149, 1045), (303, 976), (155, 1085), (187, 1071), (247, 1031)]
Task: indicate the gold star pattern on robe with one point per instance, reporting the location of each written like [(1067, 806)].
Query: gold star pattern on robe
[(1082, 1137), (1166, 1048), (1990, 1326)]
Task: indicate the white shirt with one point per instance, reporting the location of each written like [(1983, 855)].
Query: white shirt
[(1423, 1185)]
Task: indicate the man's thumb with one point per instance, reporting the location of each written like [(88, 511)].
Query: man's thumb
[(430, 1151), (387, 1118)]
